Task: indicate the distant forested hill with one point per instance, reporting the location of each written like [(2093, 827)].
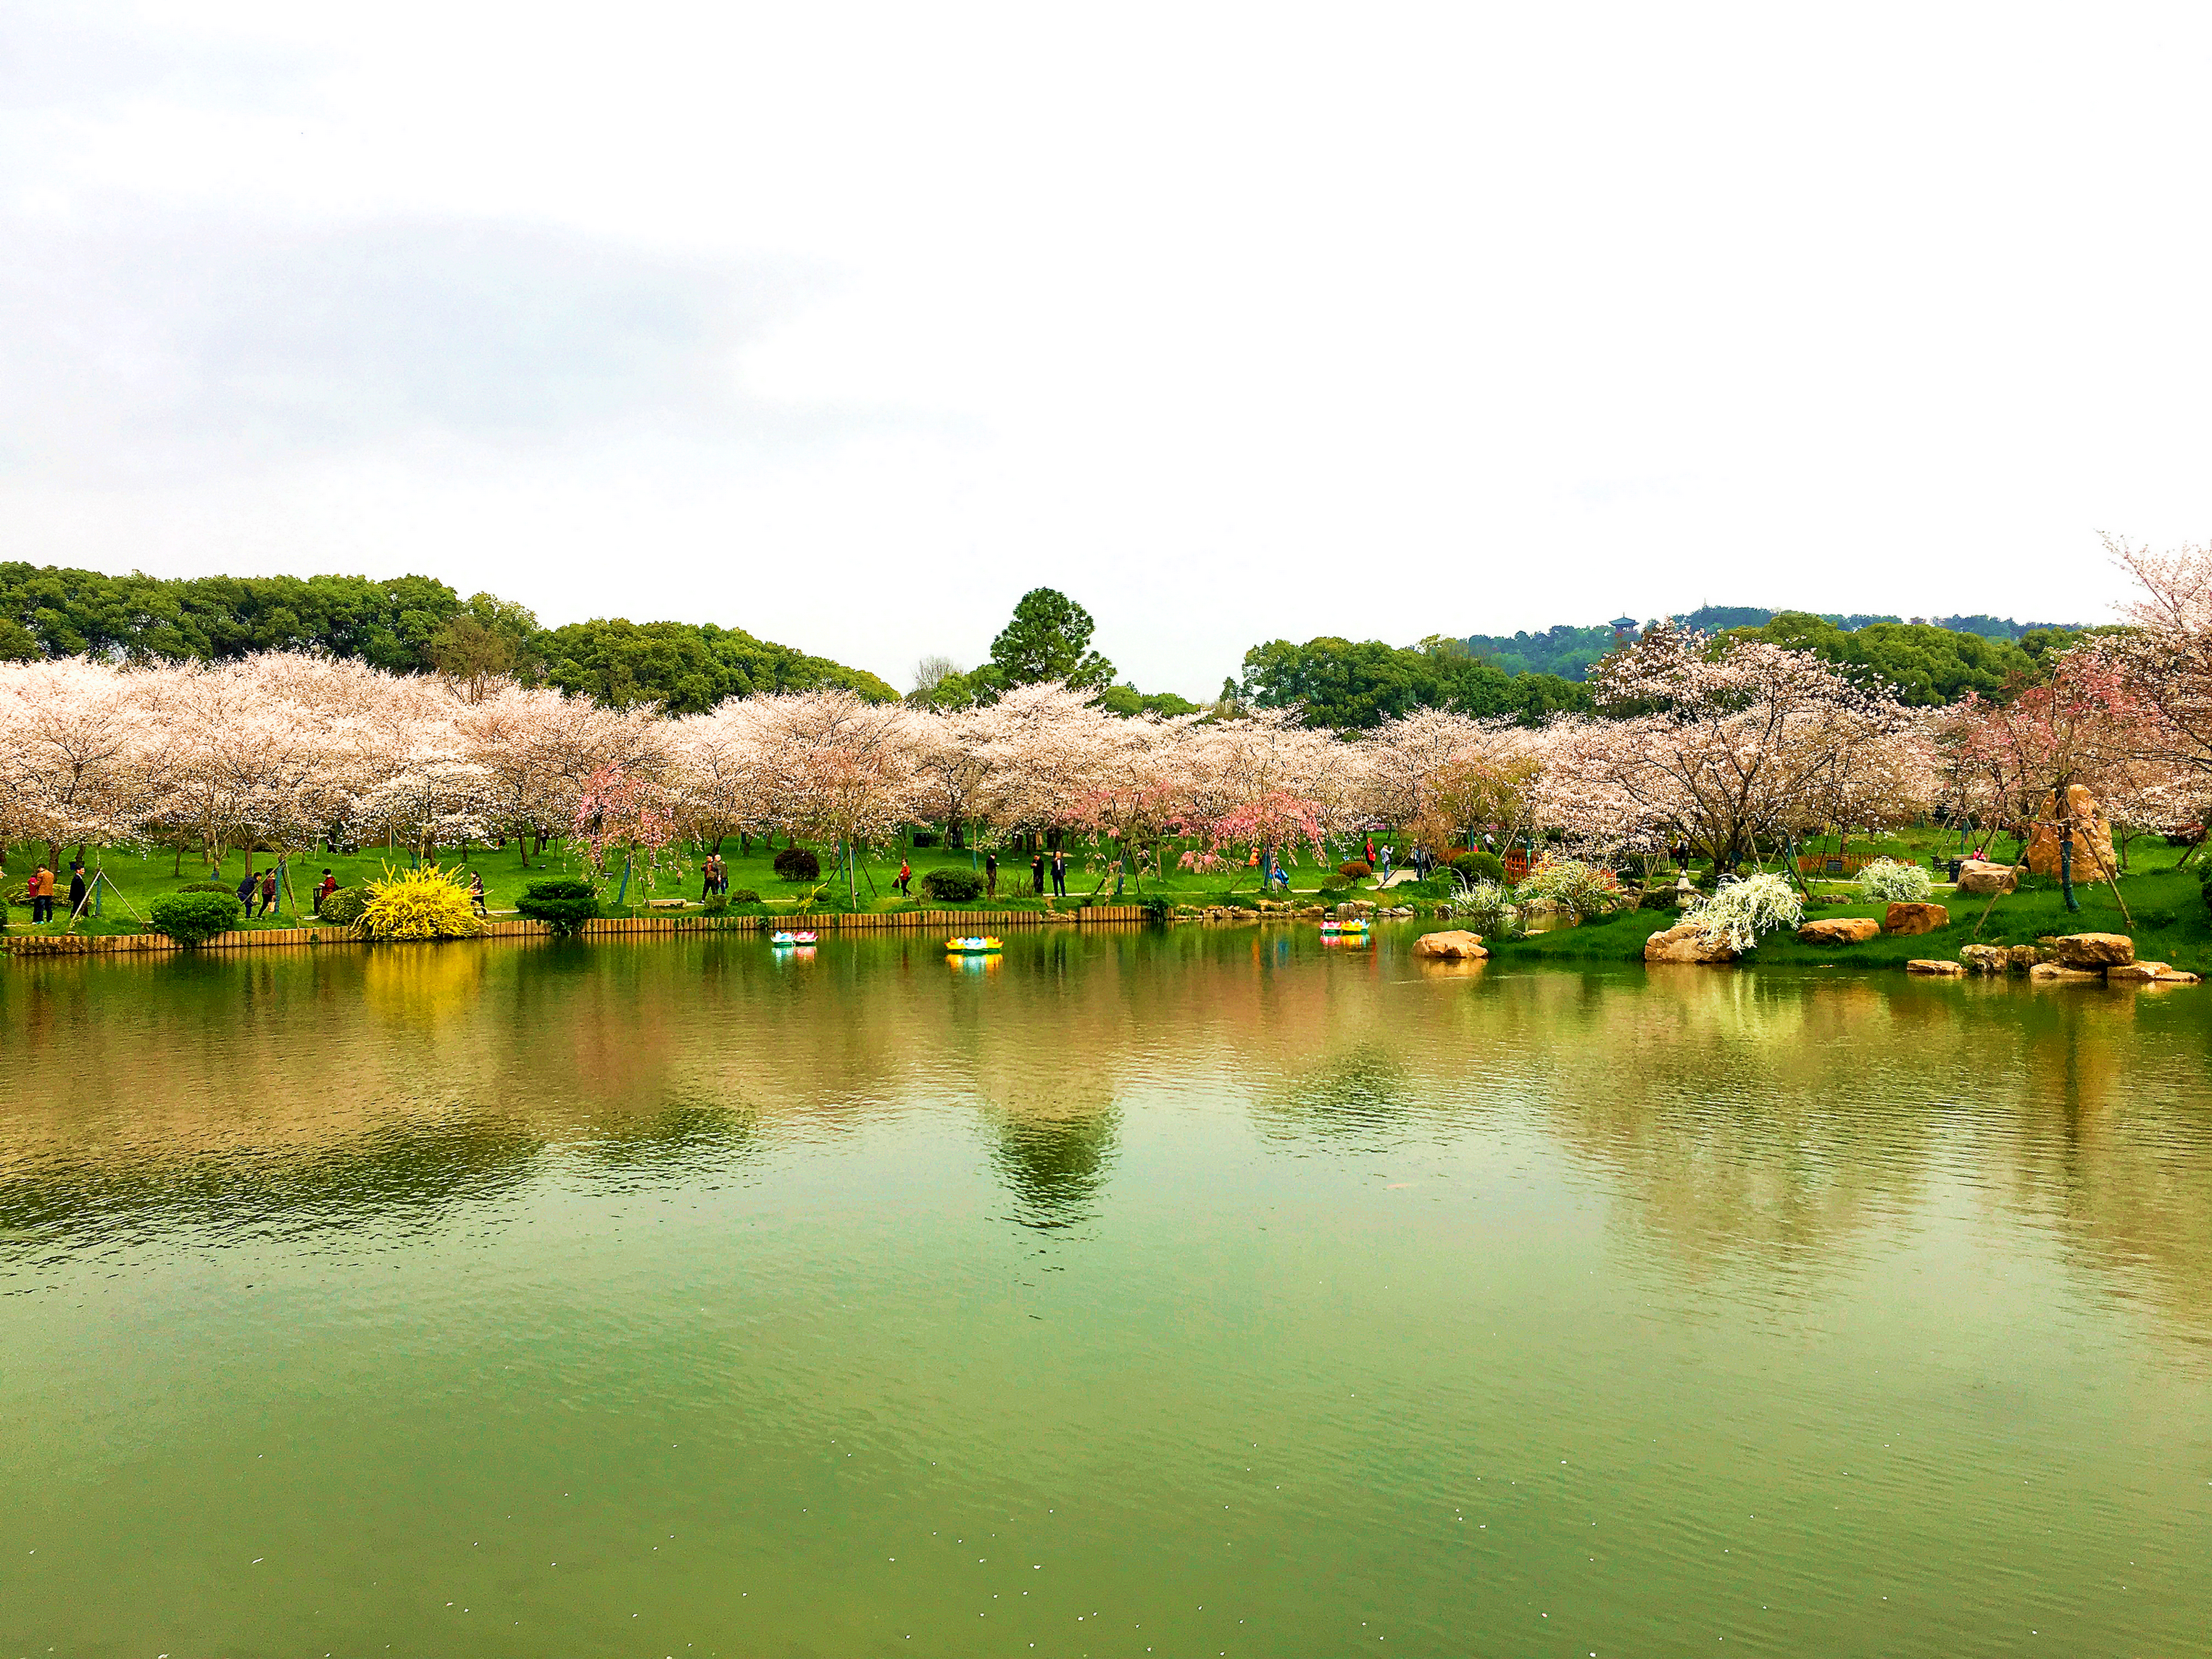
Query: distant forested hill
[(1569, 652), (408, 625)]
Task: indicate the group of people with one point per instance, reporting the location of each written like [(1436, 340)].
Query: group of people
[(40, 890), (1040, 863), (714, 877)]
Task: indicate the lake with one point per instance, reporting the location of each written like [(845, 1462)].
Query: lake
[(1203, 1292)]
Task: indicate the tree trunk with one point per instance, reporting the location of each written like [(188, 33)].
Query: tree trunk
[(2066, 864)]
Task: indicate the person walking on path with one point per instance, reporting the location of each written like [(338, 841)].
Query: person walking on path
[(42, 895), (269, 891), (1037, 873), (905, 875), (1059, 872), (476, 893), (991, 874)]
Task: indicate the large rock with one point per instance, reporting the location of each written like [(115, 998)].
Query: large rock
[(1991, 961), (1686, 942), (1935, 970), (1980, 880), (1453, 944), (1839, 930), (2051, 973), (2092, 950), (1906, 920), (2092, 837), (2137, 972)]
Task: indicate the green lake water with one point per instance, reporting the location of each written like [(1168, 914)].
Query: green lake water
[(1213, 1294)]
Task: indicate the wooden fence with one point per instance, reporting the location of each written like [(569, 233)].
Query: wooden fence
[(954, 922)]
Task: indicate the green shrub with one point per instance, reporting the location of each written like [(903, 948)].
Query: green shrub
[(1487, 906), (208, 887), (742, 896), (345, 905), (193, 918), (1356, 870), (1582, 891), (952, 886), (798, 863), (564, 903), (1479, 866), (716, 904)]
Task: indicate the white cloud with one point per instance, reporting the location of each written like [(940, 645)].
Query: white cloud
[(847, 327)]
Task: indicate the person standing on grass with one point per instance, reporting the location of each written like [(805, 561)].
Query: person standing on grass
[(269, 891), (1037, 873), (324, 889), (1370, 851), (905, 875), (991, 874), (77, 887), (41, 887), (476, 893), (247, 885), (1059, 872)]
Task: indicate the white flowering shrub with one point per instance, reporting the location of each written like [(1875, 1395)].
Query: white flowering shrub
[(1583, 890), (1889, 882), (1488, 906), (1743, 911)]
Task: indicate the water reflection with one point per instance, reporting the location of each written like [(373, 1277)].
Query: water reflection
[(1783, 1125)]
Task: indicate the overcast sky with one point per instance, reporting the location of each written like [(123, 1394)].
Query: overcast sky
[(847, 325)]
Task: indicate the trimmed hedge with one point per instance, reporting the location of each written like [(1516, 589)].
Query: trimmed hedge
[(742, 896), (798, 863), (952, 886), (193, 918), (564, 903), (1479, 866), (345, 905), (1356, 870)]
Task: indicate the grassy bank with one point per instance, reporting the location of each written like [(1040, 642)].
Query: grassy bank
[(142, 879), (2171, 924)]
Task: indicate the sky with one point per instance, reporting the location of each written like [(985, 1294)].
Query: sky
[(848, 325)]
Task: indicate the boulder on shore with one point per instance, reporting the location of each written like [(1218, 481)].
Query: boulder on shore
[(1907, 919), (1453, 944), (1980, 880), (1932, 969), (2052, 973), (2093, 949), (2024, 956), (1685, 941), (2137, 972), (1991, 961), (1839, 930)]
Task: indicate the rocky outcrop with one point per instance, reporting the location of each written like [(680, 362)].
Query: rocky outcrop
[(1932, 969), (2024, 956), (1453, 944), (1686, 942), (1839, 930), (1905, 919), (1980, 880), (2052, 973), (2092, 837), (1989, 961), (2091, 950)]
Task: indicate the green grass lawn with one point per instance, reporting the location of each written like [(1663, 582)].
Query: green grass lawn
[(142, 879), (2171, 924)]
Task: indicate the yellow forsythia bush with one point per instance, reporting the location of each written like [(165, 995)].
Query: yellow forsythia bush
[(419, 904)]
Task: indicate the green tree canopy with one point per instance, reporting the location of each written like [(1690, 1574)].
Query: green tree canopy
[(686, 667), (1354, 685), (1049, 638), (1927, 664)]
